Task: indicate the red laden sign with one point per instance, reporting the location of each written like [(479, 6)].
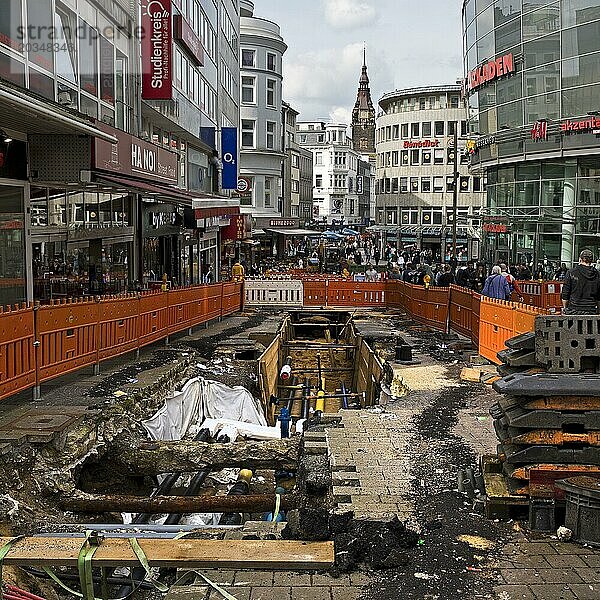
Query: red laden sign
[(495, 228), (488, 72), (157, 50)]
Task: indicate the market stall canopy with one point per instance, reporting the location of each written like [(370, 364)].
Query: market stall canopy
[(332, 235), (348, 231)]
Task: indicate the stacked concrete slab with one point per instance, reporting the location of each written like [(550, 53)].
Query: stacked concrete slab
[(548, 418)]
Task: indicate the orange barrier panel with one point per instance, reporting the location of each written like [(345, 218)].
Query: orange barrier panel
[(551, 295), (355, 293), (430, 306), (475, 319), (68, 337), (461, 310), (17, 350), (118, 325), (233, 296), (153, 317), (213, 297), (186, 308), (315, 292)]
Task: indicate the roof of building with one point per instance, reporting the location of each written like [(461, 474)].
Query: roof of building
[(419, 91)]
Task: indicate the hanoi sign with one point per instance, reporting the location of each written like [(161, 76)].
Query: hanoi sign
[(490, 71)]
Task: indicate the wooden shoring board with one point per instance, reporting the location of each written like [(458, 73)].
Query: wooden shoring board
[(196, 554)]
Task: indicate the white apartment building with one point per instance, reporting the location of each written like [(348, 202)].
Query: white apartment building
[(335, 172)]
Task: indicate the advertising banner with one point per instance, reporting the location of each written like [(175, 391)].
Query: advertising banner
[(157, 50), (229, 150)]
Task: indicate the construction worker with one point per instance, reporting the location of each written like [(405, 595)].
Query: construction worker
[(581, 290), (237, 272)]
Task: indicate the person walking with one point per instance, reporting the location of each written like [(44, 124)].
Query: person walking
[(581, 290), (371, 274), (513, 284), (496, 285)]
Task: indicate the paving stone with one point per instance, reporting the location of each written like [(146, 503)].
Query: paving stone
[(516, 576), (359, 579), (253, 578), (536, 548), (311, 593), (565, 560), (271, 593), (566, 548), (326, 580), (585, 591), (188, 592), (284, 578), (552, 592), (514, 592), (238, 593), (591, 560), (345, 593), (534, 561), (589, 574), (560, 576), (222, 577)]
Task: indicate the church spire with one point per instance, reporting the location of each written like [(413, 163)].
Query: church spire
[(363, 115)]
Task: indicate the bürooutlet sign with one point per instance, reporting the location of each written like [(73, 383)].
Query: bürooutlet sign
[(157, 50)]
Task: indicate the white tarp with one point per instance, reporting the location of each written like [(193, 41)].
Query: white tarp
[(234, 429), (198, 400)]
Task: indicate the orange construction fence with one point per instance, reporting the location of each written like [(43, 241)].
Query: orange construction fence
[(40, 343)]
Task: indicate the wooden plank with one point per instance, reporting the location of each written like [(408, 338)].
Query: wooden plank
[(498, 493), (195, 554)]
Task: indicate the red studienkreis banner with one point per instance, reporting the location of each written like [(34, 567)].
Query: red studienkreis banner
[(157, 50)]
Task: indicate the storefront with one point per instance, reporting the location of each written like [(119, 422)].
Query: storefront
[(13, 172)]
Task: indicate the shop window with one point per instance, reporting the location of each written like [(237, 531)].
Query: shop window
[(12, 265), (42, 84), (12, 70)]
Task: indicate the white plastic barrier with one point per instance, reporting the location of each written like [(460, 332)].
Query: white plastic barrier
[(265, 292)]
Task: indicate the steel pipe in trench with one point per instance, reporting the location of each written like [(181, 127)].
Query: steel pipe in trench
[(175, 504)]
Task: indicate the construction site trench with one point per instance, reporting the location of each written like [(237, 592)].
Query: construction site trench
[(299, 454)]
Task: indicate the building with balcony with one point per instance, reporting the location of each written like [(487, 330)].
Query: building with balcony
[(262, 152), (533, 92), (415, 173), (335, 167)]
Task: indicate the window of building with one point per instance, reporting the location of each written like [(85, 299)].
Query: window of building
[(414, 185), (415, 129), (391, 216), (454, 100), (295, 161), (396, 132), (404, 130), (248, 90), (340, 159), (271, 130), (403, 185), (318, 157), (451, 156), (404, 157), (409, 216), (422, 104), (477, 184), (88, 51), (319, 181), (439, 128), (464, 184), (271, 61), (464, 128), (248, 58), (395, 185), (425, 184), (248, 133), (271, 86), (268, 192), (451, 127), (395, 158), (426, 157), (438, 156), (426, 129), (449, 183), (321, 138), (438, 184), (414, 157), (295, 186)]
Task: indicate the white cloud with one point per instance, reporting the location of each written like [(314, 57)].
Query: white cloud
[(323, 84), (350, 14)]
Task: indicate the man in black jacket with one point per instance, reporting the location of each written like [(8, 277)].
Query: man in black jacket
[(581, 289)]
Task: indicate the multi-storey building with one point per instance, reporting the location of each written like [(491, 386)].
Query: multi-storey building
[(262, 154), (297, 171), (415, 172), (531, 73), (335, 166), (108, 140)]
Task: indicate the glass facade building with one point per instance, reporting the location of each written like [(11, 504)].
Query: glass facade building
[(536, 128)]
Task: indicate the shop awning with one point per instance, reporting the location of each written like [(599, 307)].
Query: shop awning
[(31, 115), (294, 232), (175, 194)]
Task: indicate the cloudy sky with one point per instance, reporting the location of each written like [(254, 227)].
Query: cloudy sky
[(409, 43)]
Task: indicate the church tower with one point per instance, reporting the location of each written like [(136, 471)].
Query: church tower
[(363, 115)]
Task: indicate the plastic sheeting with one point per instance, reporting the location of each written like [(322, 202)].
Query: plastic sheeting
[(234, 429), (198, 400)]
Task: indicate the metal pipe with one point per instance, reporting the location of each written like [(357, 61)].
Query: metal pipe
[(305, 401), (292, 395), (239, 489), (344, 396), (97, 579), (132, 529)]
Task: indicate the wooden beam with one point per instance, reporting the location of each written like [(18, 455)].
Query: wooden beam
[(91, 503), (194, 554)]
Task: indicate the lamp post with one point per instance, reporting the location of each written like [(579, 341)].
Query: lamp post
[(455, 195)]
